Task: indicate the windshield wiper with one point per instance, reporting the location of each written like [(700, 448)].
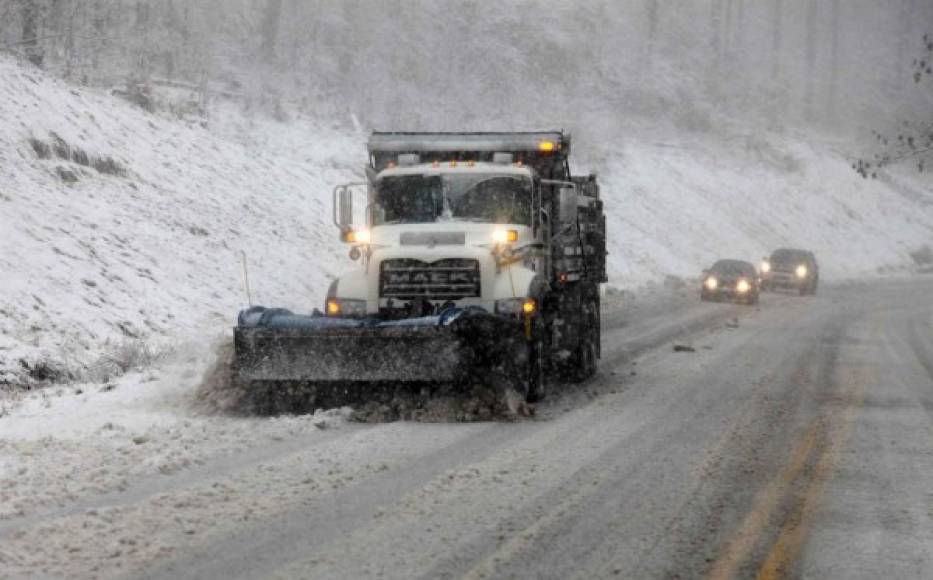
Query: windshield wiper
[(475, 220)]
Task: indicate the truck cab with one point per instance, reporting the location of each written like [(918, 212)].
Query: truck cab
[(461, 234)]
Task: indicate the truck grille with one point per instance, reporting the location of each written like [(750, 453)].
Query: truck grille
[(450, 279)]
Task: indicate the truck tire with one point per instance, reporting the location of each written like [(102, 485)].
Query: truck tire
[(586, 358), (536, 379)]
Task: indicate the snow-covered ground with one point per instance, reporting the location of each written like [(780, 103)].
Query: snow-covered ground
[(64, 443), (103, 270)]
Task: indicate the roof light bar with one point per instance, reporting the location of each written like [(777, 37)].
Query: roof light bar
[(455, 142)]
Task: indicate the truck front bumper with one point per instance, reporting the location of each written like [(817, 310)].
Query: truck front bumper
[(287, 347)]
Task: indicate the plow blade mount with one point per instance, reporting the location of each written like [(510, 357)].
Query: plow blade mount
[(276, 345)]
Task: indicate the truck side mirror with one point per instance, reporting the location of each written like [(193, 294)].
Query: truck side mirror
[(567, 210), (344, 207)]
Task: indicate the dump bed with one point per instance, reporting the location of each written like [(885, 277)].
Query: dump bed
[(546, 151), (580, 251)]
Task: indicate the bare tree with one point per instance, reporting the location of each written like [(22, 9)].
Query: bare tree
[(831, 107), (727, 27), (296, 31), (777, 39), (652, 8), (29, 13), (467, 57), (738, 35), (716, 45), (270, 29), (811, 44), (914, 139), (905, 39), (69, 47), (733, 33)]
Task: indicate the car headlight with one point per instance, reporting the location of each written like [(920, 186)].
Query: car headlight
[(801, 271), (344, 308), (712, 283), (743, 286), (765, 267), (516, 306)]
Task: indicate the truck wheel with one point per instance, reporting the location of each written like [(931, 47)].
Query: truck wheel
[(586, 360), (583, 360), (586, 357), (537, 371), (539, 357)]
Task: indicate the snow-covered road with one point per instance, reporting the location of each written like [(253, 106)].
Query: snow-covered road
[(794, 440)]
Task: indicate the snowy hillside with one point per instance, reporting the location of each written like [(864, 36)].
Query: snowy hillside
[(120, 228), (684, 202), (150, 249)]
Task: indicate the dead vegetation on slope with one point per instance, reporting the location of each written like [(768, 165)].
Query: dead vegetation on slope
[(78, 160)]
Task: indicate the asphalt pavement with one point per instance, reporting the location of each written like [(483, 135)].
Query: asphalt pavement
[(792, 439)]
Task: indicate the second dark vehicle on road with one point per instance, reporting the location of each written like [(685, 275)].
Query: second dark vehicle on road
[(791, 270), (734, 280)]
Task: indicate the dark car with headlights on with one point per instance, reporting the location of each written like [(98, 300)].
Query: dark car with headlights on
[(733, 280), (791, 270)]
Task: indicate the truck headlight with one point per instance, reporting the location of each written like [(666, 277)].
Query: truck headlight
[(339, 307), (765, 267), (505, 236), (516, 306), (359, 237), (801, 271), (712, 283), (743, 286)]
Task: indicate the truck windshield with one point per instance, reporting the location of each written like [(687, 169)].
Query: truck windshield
[(485, 198)]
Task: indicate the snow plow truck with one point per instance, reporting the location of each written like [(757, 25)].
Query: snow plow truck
[(479, 259)]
